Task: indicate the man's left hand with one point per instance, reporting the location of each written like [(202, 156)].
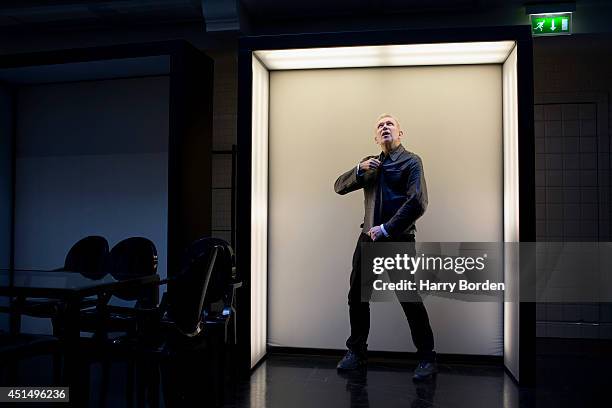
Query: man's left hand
[(376, 233)]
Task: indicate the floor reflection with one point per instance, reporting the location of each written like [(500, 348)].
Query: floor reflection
[(425, 391), (357, 387), (566, 378), (313, 381)]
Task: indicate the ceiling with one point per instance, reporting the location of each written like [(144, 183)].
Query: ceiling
[(323, 8), (95, 14), (79, 14)]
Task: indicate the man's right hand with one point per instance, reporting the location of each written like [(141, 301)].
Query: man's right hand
[(370, 164)]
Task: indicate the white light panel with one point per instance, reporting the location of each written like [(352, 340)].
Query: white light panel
[(494, 52), (259, 212), (498, 52), (510, 132), (511, 214)]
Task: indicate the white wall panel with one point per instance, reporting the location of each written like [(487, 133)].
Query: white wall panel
[(321, 124)]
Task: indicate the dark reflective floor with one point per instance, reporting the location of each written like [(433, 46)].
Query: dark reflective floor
[(573, 373), (569, 374), (306, 381)]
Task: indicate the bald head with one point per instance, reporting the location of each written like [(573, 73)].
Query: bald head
[(387, 115), (387, 132)]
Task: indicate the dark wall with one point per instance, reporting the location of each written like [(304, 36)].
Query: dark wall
[(572, 86), (6, 187), (91, 159), (6, 171)]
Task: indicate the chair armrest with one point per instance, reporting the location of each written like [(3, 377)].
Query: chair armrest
[(126, 310), (163, 305), (160, 310)]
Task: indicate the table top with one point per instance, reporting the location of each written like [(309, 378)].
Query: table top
[(53, 283)]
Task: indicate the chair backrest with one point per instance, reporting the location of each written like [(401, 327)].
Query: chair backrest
[(89, 256), (222, 274), (131, 258), (222, 271), (186, 292)]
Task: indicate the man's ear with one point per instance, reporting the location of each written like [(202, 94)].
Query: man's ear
[(401, 133)]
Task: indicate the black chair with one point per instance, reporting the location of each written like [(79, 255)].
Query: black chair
[(200, 301), (189, 291), (177, 334), (173, 331), (130, 258), (192, 343), (220, 301), (133, 257), (88, 256)]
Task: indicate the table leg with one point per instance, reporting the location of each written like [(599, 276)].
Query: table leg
[(76, 366), (15, 314)]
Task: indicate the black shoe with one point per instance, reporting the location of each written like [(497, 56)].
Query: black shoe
[(351, 361), (425, 370)]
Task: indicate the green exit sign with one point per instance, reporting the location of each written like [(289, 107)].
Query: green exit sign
[(551, 24)]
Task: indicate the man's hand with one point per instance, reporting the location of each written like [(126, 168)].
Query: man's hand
[(370, 164), (376, 233)]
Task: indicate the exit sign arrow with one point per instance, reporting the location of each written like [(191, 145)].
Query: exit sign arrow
[(551, 24)]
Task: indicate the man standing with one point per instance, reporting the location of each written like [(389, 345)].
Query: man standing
[(395, 197)]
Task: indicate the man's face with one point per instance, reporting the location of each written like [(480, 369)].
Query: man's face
[(388, 132)]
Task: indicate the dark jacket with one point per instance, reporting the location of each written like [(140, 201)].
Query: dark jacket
[(399, 185)]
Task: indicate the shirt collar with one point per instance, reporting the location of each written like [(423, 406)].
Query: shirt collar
[(394, 154)]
